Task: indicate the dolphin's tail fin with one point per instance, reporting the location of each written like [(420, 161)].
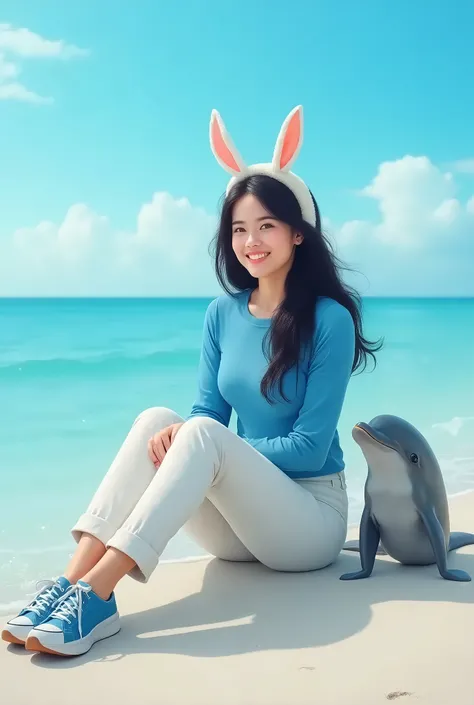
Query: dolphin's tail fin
[(458, 539)]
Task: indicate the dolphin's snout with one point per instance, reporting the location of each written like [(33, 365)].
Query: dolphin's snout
[(363, 433)]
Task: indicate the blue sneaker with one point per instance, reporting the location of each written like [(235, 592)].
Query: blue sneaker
[(39, 609), (79, 620)]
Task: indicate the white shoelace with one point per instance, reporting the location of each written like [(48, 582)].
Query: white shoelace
[(49, 591), (70, 604)]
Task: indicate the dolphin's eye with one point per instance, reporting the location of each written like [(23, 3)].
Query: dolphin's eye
[(414, 458)]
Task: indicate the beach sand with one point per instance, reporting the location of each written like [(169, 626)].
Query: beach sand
[(208, 632)]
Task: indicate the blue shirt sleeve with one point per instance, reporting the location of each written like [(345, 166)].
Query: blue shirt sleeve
[(209, 401), (306, 447)]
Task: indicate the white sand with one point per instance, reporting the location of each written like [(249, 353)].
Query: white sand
[(209, 632)]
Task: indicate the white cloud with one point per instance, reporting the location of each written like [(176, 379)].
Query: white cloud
[(423, 242), (24, 44), (412, 195), (455, 425), (17, 91), (8, 70), (84, 255)]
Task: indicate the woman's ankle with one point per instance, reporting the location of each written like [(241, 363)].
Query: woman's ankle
[(102, 591), (89, 552), (104, 576)]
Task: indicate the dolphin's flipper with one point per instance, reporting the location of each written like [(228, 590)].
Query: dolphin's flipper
[(353, 545), (458, 539), (436, 536), (369, 541)]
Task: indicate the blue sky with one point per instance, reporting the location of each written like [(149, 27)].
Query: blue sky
[(101, 135)]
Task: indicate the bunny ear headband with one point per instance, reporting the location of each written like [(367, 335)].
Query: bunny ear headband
[(286, 150)]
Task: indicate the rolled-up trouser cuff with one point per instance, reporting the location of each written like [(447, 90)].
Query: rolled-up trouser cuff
[(138, 550), (94, 525)]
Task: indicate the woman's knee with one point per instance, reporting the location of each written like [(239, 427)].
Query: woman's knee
[(204, 423), (155, 418)]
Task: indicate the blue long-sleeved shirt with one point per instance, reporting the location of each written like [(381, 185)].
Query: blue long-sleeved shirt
[(300, 436)]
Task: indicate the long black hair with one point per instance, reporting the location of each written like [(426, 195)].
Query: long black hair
[(315, 272)]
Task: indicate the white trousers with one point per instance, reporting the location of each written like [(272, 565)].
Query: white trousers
[(233, 501)]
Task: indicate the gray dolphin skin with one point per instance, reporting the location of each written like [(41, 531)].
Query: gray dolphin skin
[(406, 513)]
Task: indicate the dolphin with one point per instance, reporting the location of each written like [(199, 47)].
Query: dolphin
[(406, 513)]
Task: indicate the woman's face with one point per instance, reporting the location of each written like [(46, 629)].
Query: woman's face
[(261, 243)]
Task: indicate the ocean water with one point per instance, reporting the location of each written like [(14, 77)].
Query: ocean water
[(75, 373)]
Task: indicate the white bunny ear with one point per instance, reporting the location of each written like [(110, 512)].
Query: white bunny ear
[(289, 140), (223, 147)]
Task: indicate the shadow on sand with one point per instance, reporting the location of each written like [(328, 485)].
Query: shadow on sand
[(270, 610)]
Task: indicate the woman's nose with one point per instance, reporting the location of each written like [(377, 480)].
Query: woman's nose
[(252, 238)]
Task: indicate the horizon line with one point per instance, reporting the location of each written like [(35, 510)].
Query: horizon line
[(211, 296)]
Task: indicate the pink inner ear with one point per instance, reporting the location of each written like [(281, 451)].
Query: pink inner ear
[(220, 147), (291, 140)]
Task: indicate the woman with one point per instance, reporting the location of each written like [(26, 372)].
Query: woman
[(279, 348)]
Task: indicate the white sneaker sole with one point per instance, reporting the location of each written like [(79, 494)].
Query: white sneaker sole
[(16, 634), (38, 640)]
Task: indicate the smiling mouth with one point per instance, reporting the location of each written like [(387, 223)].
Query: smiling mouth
[(257, 257)]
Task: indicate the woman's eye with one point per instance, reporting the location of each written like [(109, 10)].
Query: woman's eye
[(270, 225)]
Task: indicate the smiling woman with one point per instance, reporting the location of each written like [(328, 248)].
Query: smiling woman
[(279, 347), (265, 247), (262, 243)]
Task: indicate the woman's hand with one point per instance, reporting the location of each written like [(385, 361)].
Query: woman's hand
[(159, 444)]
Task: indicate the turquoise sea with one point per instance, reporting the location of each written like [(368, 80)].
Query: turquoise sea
[(75, 373)]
